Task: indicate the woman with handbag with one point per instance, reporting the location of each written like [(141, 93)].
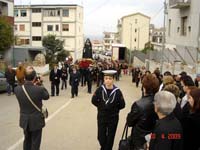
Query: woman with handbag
[(142, 116), (109, 101)]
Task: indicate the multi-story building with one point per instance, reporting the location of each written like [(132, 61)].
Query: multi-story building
[(33, 22), (6, 10), (97, 46), (156, 37), (108, 40), (133, 31), (183, 29)]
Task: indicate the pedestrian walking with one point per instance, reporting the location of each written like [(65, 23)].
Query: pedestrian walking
[(109, 101), (31, 120), (74, 82), (64, 77), (54, 78), (10, 79)]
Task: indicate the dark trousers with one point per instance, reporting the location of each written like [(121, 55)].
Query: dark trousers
[(74, 90), (32, 139), (64, 84), (53, 85), (89, 84), (106, 133), (10, 88)]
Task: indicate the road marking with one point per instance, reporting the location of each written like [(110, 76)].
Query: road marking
[(14, 146)]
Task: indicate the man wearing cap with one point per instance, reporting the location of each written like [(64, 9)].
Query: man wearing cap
[(109, 101)]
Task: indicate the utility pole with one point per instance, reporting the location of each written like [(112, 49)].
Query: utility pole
[(130, 51), (163, 40), (198, 49)]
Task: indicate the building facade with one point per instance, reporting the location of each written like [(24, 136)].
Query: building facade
[(133, 31), (108, 40), (156, 37), (33, 22), (183, 30)]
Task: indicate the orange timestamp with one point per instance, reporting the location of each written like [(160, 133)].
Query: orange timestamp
[(169, 136)]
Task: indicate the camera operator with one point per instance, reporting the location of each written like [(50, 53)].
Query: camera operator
[(31, 120)]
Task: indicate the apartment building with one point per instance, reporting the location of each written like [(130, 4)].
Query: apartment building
[(108, 40), (133, 31), (6, 9), (97, 46), (33, 22), (183, 30), (156, 37)]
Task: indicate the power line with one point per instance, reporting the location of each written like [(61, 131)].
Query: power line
[(98, 7)]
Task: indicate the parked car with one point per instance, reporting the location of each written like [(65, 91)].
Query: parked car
[(3, 83), (108, 53)]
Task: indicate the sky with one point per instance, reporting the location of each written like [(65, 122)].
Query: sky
[(103, 15)]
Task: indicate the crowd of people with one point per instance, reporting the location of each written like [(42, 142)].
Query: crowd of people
[(166, 117)]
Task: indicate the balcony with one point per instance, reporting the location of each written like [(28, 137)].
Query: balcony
[(179, 4)]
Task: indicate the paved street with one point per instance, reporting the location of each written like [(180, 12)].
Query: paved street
[(72, 123)]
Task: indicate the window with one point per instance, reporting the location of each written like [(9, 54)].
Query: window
[(16, 13), (184, 26), (36, 24), (15, 26), (65, 27), (135, 40), (49, 27), (58, 13), (57, 27), (21, 27), (24, 41), (51, 12), (23, 13), (169, 28), (36, 10), (36, 38), (66, 12), (136, 21), (135, 30)]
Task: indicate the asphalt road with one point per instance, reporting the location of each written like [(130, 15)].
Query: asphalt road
[(72, 123)]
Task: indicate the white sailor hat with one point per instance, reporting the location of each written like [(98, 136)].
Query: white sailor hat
[(109, 72)]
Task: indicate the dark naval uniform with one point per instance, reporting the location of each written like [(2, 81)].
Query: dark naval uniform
[(108, 102)]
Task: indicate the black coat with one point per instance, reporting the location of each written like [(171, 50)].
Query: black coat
[(10, 76), (74, 79), (108, 104), (191, 131), (30, 117), (167, 134), (142, 119), (55, 77)]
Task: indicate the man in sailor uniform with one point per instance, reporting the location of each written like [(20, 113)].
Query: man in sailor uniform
[(109, 101)]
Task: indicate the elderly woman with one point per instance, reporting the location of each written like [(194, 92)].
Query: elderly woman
[(142, 117), (191, 122), (167, 134)]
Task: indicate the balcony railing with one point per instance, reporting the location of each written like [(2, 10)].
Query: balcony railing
[(178, 4)]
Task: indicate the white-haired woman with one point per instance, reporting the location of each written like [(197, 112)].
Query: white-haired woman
[(167, 134)]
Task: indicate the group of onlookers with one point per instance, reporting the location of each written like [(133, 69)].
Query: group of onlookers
[(169, 111)]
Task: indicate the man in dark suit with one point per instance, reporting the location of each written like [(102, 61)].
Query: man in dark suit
[(54, 77), (31, 120), (74, 81)]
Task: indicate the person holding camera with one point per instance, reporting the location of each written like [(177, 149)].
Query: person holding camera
[(31, 120)]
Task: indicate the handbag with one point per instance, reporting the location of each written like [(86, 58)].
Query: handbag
[(124, 143), (43, 110)]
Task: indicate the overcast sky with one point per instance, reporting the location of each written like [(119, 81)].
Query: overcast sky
[(102, 15)]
